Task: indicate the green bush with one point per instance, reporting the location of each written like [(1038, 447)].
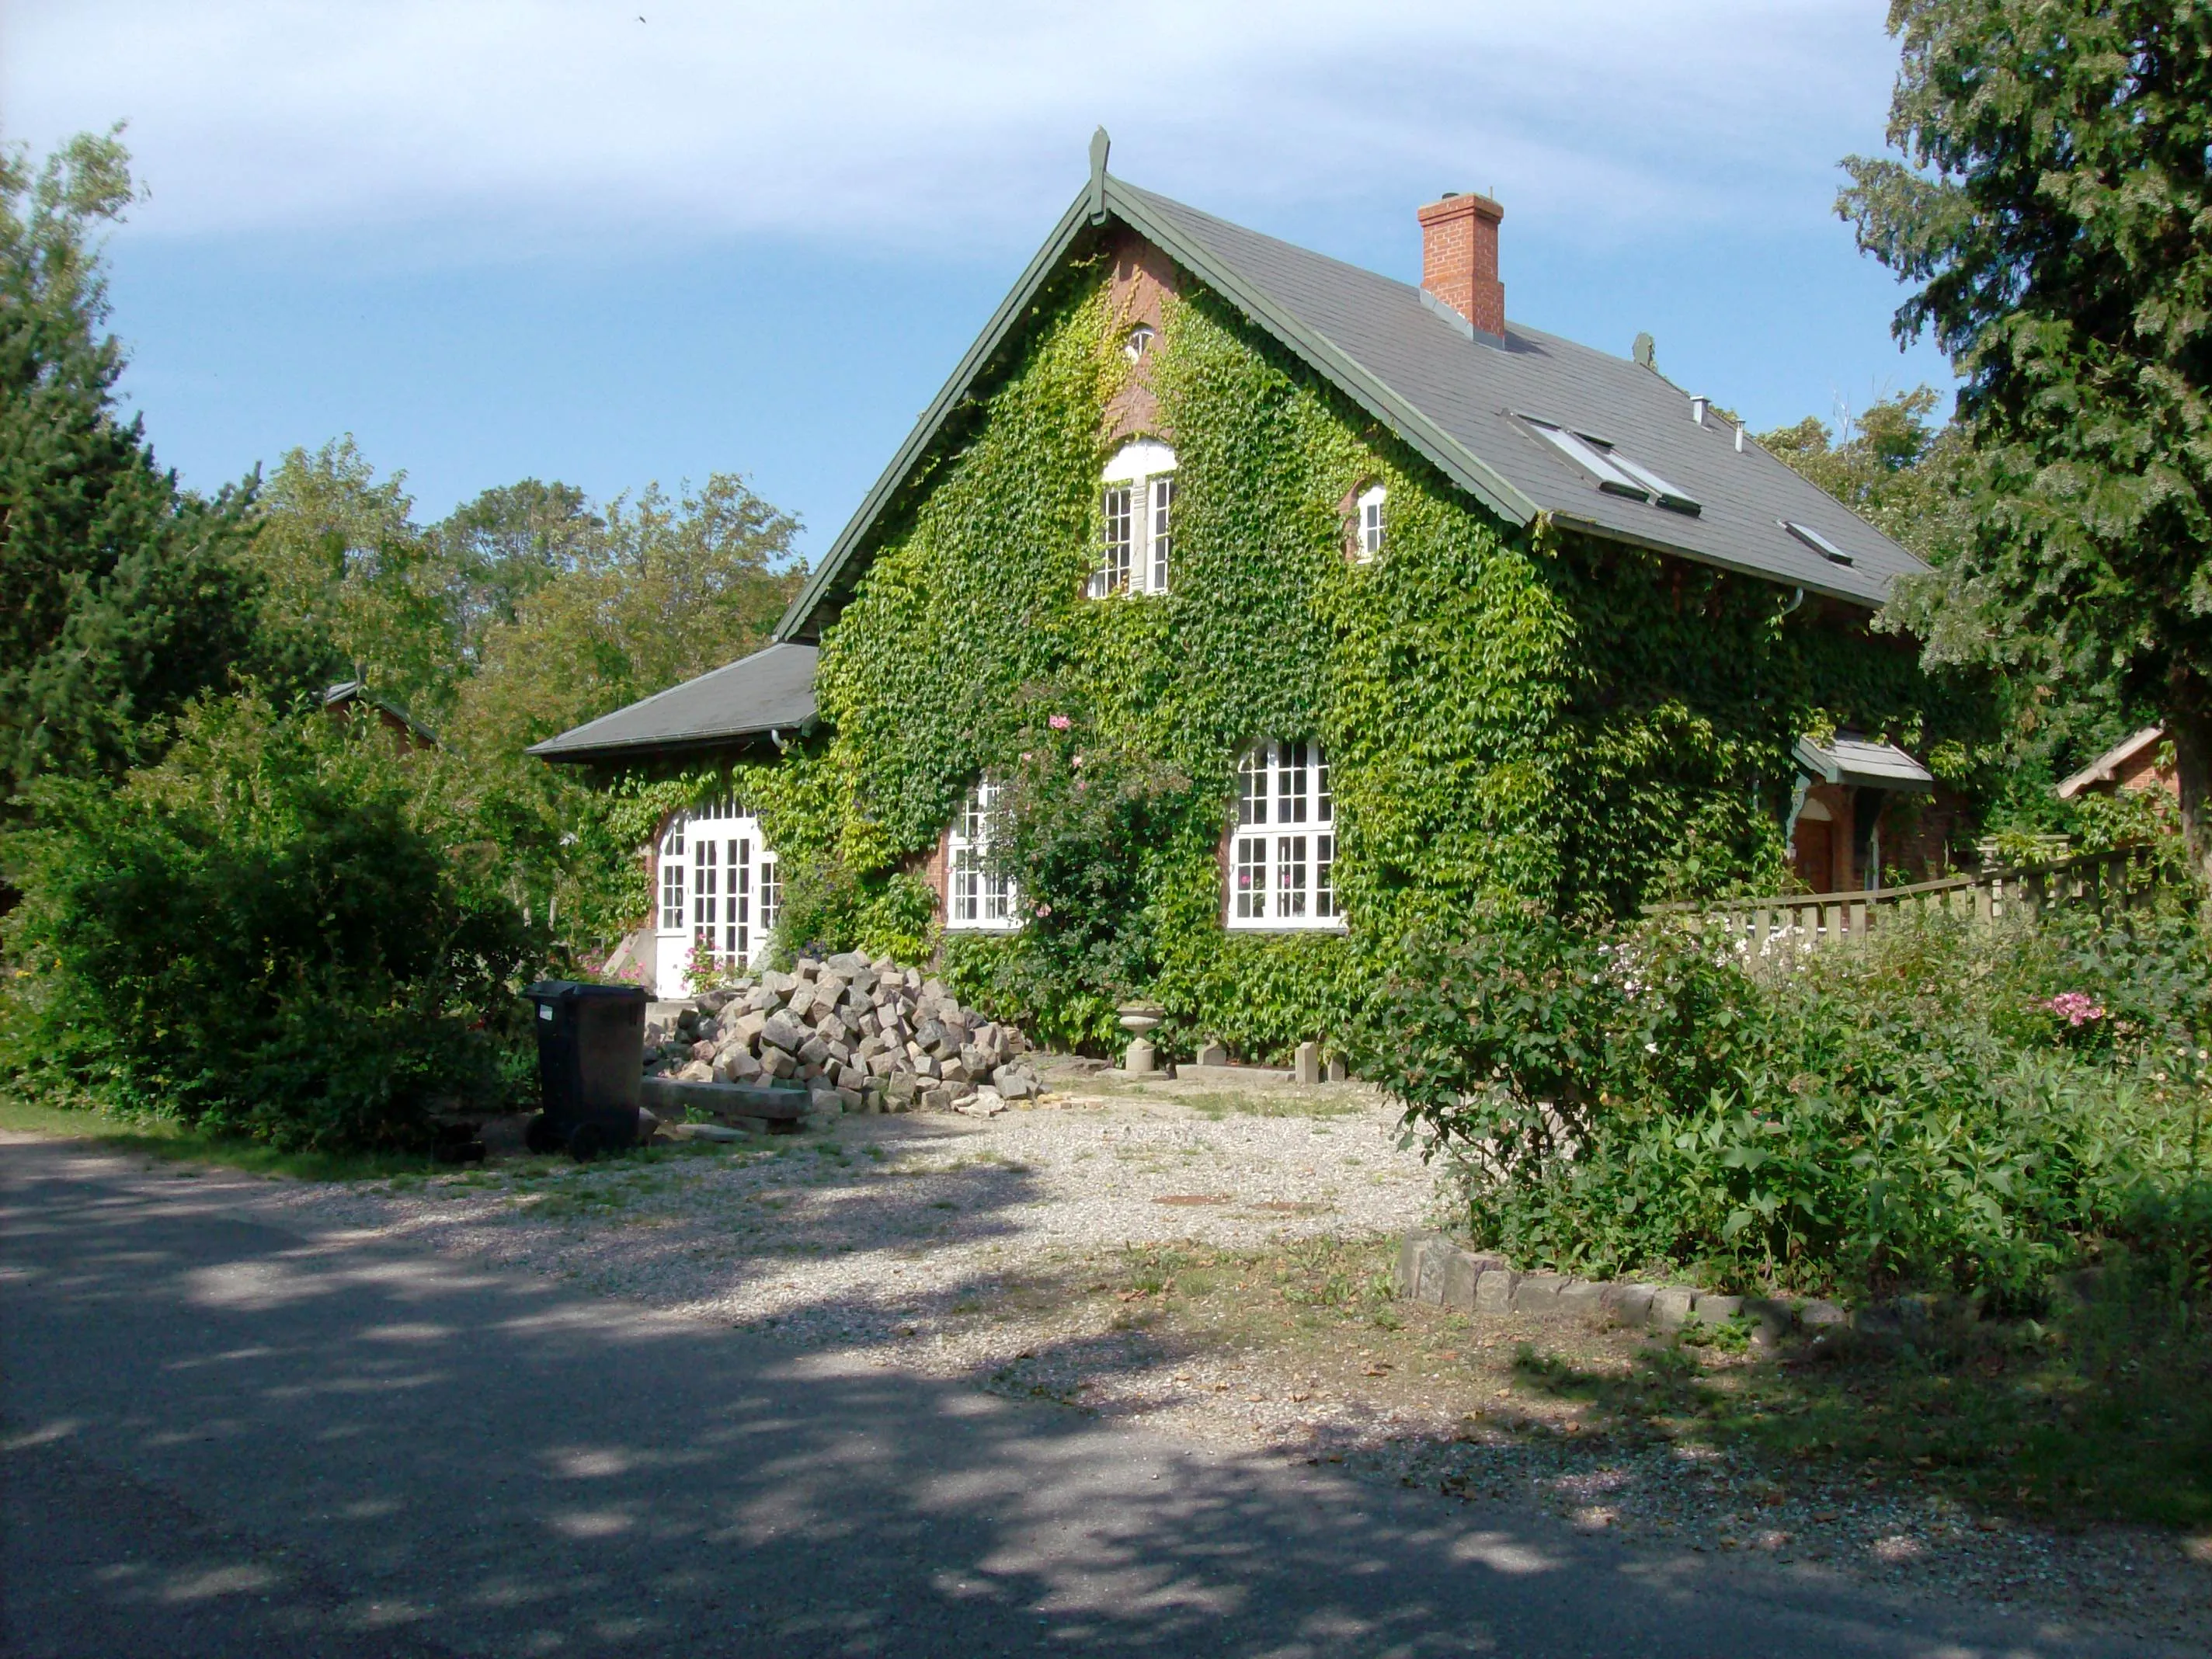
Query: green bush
[(288, 930), (1908, 1113)]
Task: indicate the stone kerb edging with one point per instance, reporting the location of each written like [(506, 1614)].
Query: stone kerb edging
[(1433, 1269)]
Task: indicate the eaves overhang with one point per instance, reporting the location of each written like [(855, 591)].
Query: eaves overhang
[(1564, 520), (731, 744)]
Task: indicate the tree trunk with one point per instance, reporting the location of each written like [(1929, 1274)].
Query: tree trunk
[(2189, 723)]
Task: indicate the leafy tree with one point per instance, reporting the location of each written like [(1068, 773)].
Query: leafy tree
[(1917, 480), (667, 590), (347, 567), (2054, 208), (1893, 466), (506, 545), (121, 596)]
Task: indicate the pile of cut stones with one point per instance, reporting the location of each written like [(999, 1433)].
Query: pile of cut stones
[(861, 1036)]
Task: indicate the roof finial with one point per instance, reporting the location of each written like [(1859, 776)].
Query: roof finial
[(1100, 143)]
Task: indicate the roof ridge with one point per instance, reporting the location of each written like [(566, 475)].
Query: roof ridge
[(1451, 409)]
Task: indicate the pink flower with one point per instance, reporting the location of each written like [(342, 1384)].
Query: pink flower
[(2076, 1007), (1025, 757), (1059, 722), (1044, 910)]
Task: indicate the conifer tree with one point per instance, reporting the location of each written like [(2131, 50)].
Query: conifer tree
[(2053, 210), (120, 595)]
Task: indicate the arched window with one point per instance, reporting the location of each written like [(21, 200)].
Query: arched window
[(1139, 502), (978, 896), (1370, 527), (1282, 865)]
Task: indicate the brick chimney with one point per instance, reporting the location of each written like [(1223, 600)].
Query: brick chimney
[(1459, 258)]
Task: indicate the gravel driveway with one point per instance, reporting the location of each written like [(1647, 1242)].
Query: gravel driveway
[(898, 1227), (988, 1250)]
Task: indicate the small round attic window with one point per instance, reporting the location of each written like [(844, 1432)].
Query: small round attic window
[(1139, 343)]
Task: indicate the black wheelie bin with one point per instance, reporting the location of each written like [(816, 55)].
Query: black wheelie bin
[(591, 1057)]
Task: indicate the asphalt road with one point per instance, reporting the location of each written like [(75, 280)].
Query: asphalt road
[(218, 1436)]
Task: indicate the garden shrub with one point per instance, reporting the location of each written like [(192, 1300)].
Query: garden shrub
[(1936, 1109), (288, 930)]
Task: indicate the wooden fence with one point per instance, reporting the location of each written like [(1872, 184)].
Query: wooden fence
[(2125, 876)]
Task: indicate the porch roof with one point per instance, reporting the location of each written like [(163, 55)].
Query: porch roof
[(2106, 767), (1865, 765), (770, 691)]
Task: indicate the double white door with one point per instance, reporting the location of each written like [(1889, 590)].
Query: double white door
[(720, 893)]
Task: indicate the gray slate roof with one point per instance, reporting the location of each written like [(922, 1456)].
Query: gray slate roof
[(771, 691), (1461, 400), (1869, 765), (1454, 397), (1474, 389)]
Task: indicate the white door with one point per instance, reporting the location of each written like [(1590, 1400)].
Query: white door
[(719, 896)]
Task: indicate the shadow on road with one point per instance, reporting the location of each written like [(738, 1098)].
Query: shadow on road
[(223, 1438)]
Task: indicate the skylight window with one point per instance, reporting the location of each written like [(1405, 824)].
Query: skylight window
[(1616, 473), (1590, 458), (1662, 492), (1819, 544)]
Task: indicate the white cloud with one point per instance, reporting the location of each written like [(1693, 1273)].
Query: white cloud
[(571, 120)]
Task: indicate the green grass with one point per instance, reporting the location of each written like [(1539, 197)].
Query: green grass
[(2103, 1414), (1259, 1103), (176, 1144)]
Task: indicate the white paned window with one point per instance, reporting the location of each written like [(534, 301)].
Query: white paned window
[(1162, 530), (671, 879), (1112, 576), (771, 893), (706, 884), (1370, 522), (1140, 511), (978, 896), (718, 896), (1283, 848)]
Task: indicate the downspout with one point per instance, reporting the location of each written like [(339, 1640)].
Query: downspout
[(1797, 805), (1804, 783)]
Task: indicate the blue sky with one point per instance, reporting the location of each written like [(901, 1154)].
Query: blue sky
[(612, 243)]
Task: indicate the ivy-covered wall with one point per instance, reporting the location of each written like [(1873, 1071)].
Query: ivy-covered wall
[(1505, 710)]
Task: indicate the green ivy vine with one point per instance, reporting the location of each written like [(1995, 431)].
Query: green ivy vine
[(1510, 712)]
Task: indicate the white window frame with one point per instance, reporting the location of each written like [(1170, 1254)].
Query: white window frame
[(979, 899), (672, 910), (1139, 499), (720, 892), (1370, 527), (1282, 844)]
